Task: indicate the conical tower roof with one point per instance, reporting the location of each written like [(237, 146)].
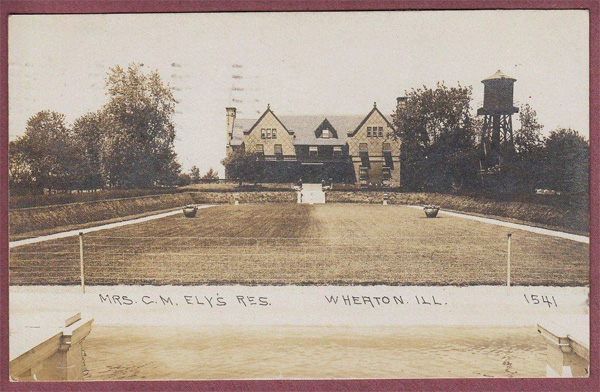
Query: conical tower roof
[(498, 75)]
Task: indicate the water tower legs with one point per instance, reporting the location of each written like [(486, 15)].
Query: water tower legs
[(496, 134)]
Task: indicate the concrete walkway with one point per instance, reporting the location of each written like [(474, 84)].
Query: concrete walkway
[(533, 229), (312, 194), (71, 233)]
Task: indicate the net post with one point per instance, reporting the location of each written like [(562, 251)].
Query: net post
[(508, 263), (81, 261)]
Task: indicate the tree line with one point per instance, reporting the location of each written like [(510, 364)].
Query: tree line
[(441, 150), (128, 143), (194, 177)]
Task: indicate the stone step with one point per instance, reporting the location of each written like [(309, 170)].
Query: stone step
[(312, 194)]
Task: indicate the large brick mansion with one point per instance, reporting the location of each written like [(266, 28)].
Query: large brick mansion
[(351, 148)]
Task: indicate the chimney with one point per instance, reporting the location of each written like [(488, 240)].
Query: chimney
[(230, 123), (401, 102)]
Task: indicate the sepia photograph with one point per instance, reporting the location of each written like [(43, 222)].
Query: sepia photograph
[(356, 195)]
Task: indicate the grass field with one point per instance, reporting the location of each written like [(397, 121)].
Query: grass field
[(345, 244)]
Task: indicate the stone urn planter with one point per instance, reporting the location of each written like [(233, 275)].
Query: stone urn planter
[(189, 211), (431, 211)]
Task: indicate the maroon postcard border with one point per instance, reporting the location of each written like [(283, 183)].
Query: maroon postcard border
[(8, 7)]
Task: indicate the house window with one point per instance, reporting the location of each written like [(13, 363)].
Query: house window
[(337, 151), (268, 133), (363, 173), (313, 151), (326, 134), (260, 148), (387, 147), (363, 148), (278, 149), (263, 133), (274, 133), (386, 173), (380, 131), (368, 131)]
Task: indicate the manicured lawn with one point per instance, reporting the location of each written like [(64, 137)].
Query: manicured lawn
[(343, 244)]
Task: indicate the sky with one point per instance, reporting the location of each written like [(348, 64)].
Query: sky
[(299, 63)]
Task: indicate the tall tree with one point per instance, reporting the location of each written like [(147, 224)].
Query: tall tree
[(138, 148), (19, 173), (438, 136), (528, 138), (88, 134), (567, 163), (48, 151), (522, 168)]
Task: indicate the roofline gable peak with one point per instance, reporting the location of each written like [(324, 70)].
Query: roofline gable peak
[(375, 109), (263, 116), (329, 125)]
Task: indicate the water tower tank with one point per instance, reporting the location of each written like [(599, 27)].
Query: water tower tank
[(498, 94)]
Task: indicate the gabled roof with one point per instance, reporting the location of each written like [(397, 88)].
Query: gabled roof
[(367, 117), (263, 116), (239, 126), (304, 127)]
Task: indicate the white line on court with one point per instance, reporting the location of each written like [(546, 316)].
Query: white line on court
[(533, 229), (95, 228)]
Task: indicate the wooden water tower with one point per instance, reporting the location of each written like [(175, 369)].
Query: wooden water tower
[(497, 132)]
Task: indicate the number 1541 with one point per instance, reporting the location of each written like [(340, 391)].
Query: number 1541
[(535, 299)]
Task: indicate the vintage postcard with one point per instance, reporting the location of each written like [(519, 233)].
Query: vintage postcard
[(299, 195)]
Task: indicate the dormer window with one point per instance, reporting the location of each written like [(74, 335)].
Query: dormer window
[(325, 131)]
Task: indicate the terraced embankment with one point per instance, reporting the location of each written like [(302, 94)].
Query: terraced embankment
[(47, 219), (573, 219)]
